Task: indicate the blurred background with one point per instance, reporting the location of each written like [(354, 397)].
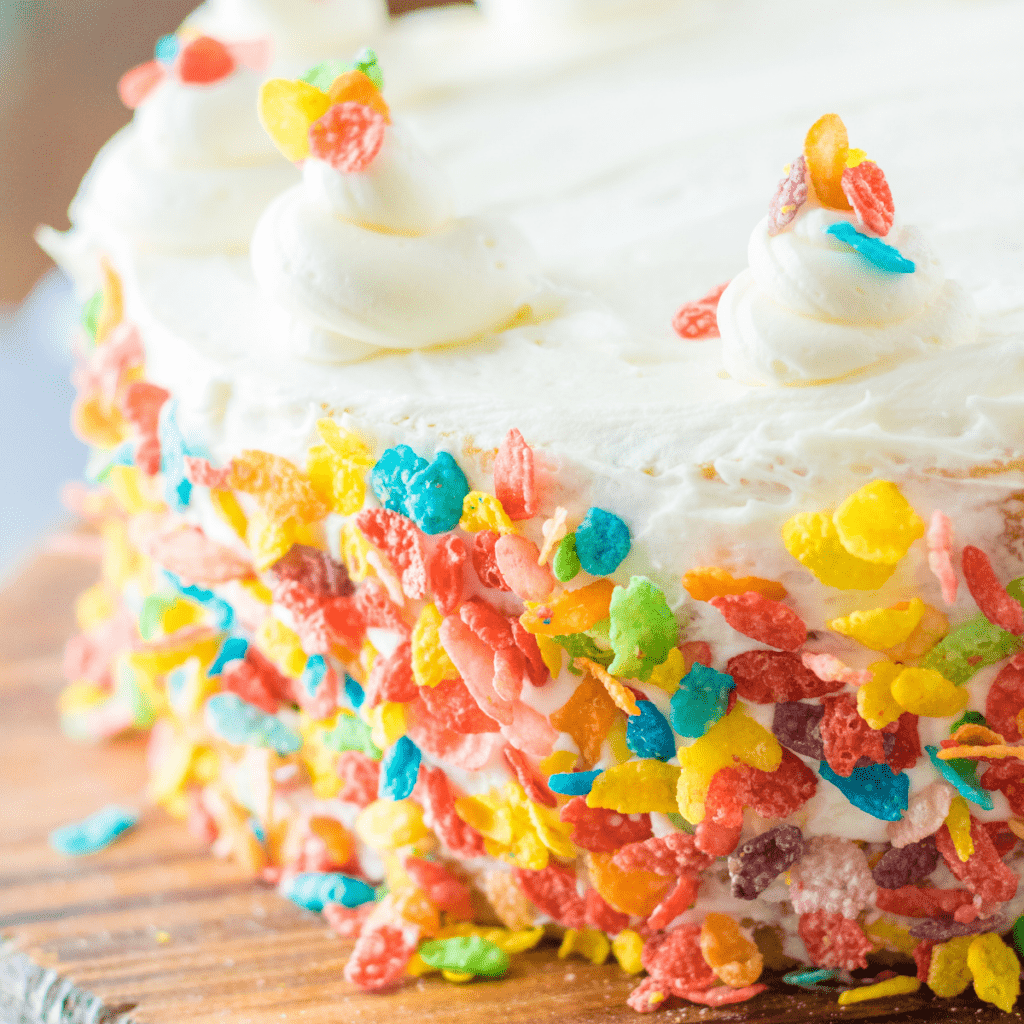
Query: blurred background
[(59, 65)]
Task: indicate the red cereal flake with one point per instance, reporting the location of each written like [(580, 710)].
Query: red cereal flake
[(669, 855), (917, 901), (554, 892), (434, 792), (789, 196), (719, 833), (1006, 776), (201, 473), (381, 955), (699, 319), (536, 789), (452, 703), (344, 622), (509, 672), (762, 619), (443, 889), (348, 137), (204, 60), (602, 831), (723, 995), (470, 751), (780, 793), (536, 671), (402, 543), (675, 959), (868, 192), (377, 610), (445, 578), (346, 922), (923, 958), (833, 940), (983, 872), (257, 680), (990, 595), (1002, 838), (515, 484), (680, 897), (141, 404), (846, 736), (201, 823), (907, 746), (391, 677), (600, 915), (1005, 699), (360, 776), (772, 677), (493, 628), (696, 652), (484, 562), (648, 996), (135, 85), (313, 571)]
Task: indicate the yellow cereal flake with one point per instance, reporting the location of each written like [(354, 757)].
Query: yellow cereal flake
[(133, 490), (875, 702), (551, 653), (877, 524), (948, 972), (390, 824), (996, 971), (282, 646), (286, 109), (481, 511), (511, 940), (616, 739), (558, 762), (280, 488), (589, 943), (811, 538), (258, 590), (354, 548), (226, 505), (269, 539), (94, 606), (923, 691), (927, 633), (121, 562), (387, 723), (901, 985), (668, 674), (571, 611), (430, 663), (712, 581), (627, 947), (886, 934), (881, 628), (636, 787), (958, 821)]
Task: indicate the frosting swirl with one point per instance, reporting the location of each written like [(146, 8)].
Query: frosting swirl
[(810, 309), (374, 259)]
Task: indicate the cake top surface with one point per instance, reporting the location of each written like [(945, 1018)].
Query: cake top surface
[(675, 147)]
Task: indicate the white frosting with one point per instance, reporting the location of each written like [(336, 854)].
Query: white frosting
[(376, 258), (812, 309)]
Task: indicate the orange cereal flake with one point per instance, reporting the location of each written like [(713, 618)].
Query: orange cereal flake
[(825, 149), (712, 581)]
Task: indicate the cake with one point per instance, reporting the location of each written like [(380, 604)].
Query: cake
[(493, 552)]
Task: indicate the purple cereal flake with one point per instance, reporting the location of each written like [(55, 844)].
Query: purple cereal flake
[(941, 931), (900, 867), (798, 726), (759, 861), (789, 197)]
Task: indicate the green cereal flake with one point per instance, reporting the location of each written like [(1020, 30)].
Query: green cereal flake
[(466, 954), (970, 647), (352, 733), (579, 645), (91, 314), (566, 563), (643, 629)]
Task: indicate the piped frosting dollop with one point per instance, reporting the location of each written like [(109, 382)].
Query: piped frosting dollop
[(366, 253), (833, 286)]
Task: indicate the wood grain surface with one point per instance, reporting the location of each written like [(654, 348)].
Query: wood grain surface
[(156, 931)]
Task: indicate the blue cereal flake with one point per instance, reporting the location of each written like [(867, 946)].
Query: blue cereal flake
[(874, 788), (813, 981), (573, 783), (166, 49), (435, 494), (399, 770), (700, 701), (354, 692), (649, 734), (390, 477), (222, 614), (94, 833), (960, 774), (602, 542), (237, 721), (874, 250), (315, 889), (233, 649), (177, 487), (314, 675)]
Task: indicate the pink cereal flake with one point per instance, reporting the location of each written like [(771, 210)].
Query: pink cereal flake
[(434, 792), (189, 553), (376, 609), (530, 731), (346, 922), (399, 539), (723, 995), (484, 563), (515, 484), (254, 54), (762, 619), (443, 889), (939, 539), (832, 876), (680, 898), (926, 812), (360, 777), (832, 940), (445, 573), (829, 669), (519, 564), (348, 137), (868, 192), (600, 914), (201, 473), (698, 320), (675, 959), (990, 595), (536, 789), (554, 892), (470, 751), (668, 855), (984, 872), (381, 955), (789, 196), (135, 85), (474, 660), (451, 702), (391, 677)]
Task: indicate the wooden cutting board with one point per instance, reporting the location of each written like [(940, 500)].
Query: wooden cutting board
[(154, 930)]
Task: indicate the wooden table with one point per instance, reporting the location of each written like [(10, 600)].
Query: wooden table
[(156, 931)]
